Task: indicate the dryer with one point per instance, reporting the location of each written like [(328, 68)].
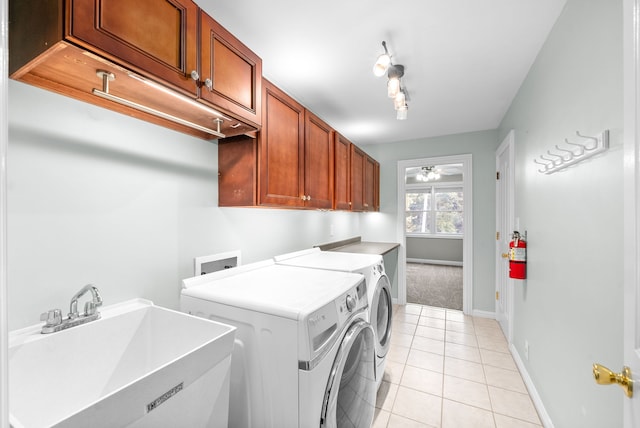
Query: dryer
[(378, 289), (304, 354)]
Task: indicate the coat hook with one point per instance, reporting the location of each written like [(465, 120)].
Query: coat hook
[(570, 156), (588, 138), (580, 147), (560, 159), (546, 165)]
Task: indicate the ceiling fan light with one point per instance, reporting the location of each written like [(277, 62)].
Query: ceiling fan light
[(381, 65)]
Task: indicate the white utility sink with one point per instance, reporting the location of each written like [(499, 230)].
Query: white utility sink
[(140, 365)]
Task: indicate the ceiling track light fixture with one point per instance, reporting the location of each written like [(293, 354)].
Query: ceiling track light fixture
[(395, 90)]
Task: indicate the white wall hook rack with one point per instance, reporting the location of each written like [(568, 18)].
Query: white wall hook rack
[(575, 152)]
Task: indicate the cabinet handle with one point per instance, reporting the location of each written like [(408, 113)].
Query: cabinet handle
[(195, 76), (209, 84), (308, 197), (366, 205)]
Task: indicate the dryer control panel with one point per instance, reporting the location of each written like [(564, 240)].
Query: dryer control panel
[(325, 324)]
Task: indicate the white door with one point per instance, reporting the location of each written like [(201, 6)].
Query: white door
[(504, 227), (631, 209)]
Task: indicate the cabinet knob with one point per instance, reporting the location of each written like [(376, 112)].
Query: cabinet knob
[(195, 76), (209, 84)]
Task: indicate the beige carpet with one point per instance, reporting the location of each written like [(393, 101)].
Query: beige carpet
[(434, 285)]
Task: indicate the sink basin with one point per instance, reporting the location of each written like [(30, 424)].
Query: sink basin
[(140, 365)]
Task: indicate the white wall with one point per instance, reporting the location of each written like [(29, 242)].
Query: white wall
[(98, 197), (482, 146), (570, 307)]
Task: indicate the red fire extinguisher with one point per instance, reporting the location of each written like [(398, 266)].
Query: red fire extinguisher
[(517, 257)]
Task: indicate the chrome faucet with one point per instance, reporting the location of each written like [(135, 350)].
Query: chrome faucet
[(89, 307), (53, 318)]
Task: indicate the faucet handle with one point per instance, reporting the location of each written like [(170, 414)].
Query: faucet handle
[(52, 317), (90, 308)]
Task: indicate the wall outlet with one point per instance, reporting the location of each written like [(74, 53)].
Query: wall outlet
[(526, 350)]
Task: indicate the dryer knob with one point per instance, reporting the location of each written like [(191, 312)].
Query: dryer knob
[(350, 302)]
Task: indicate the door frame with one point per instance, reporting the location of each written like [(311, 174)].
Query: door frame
[(4, 138), (631, 68), (467, 239), (507, 144)]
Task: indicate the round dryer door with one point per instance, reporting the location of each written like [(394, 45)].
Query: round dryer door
[(381, 315), (350, 398)]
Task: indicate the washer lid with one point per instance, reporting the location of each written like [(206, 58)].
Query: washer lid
[(286, 291), (346, 262)]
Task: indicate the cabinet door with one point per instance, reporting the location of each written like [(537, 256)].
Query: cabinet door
[(369, 184), (281, 149), (376, 187), (318, 164), (158, 38), (237, 171), (233, 70), (342, 186), (357, 178)]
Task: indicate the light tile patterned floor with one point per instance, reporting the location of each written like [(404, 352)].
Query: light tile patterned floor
[(449, 370)]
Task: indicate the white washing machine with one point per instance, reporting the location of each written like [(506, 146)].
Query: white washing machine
[(304, 354), (378, 289)]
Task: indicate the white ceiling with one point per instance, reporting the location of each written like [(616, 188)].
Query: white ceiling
[(464, 59)]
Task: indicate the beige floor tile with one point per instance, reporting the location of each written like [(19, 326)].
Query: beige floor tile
[(462, 352), (434, 313), (461, 338), (400, 339), (432, 322), (507, 422), (386, 396), (426, 360), (406, 318), (497, 344), (506, 379), (430, 332), (513, 404), (488, 330), (458, 316), (498, 359), (487, 322), (418, 406), (403, 327), (466, 391), (429, 345), (464, 369), (380, 419), (458, 415), (392, 372), (398, 354), (462, 327), (422, 380), (396, 421), (411, 308)]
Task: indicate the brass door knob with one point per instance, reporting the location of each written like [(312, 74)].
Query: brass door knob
[(604, 376)]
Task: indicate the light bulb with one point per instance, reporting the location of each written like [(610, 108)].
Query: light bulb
[(381, 65), (399, 100), (393, 87), (401, 113)]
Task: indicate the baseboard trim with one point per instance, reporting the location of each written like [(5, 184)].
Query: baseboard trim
[(533, 392), (435, 262), (483, 314)]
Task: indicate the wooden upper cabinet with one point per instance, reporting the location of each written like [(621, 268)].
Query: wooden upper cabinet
[(146, 47), (318, 166), (369, 184), (159, 38), (357, 178), (281, 149), (230, 71), (341, 167)]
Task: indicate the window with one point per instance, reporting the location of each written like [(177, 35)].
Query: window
[(434, 210)]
